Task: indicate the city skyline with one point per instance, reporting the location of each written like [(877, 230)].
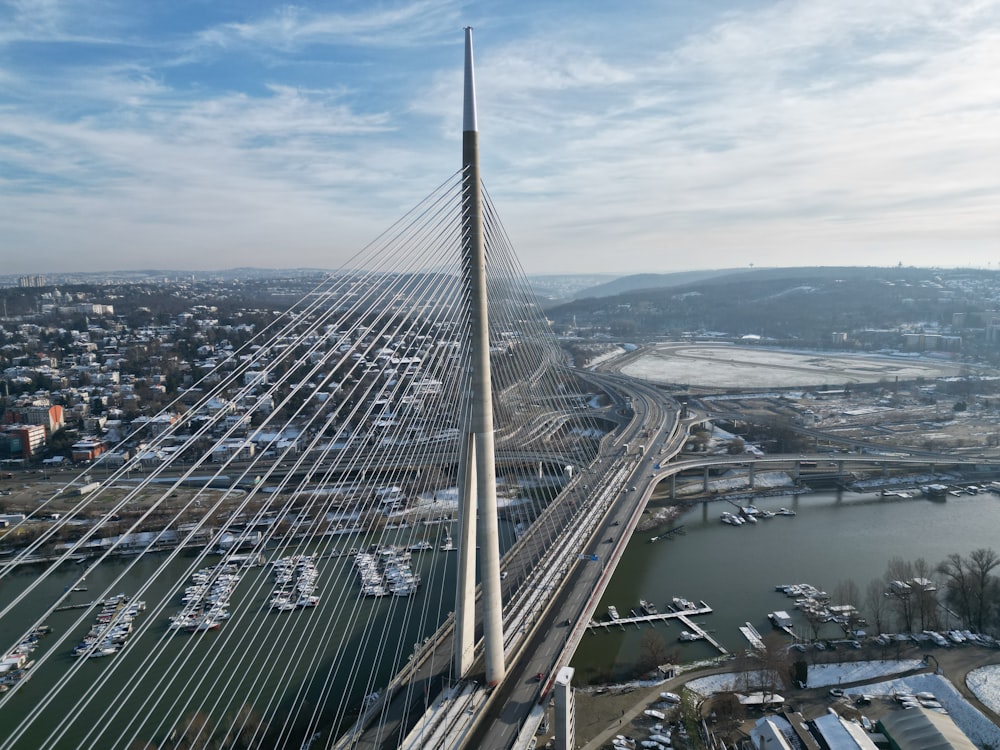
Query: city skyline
[(640, 138)]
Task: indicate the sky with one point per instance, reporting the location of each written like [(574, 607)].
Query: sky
[(625, 137)]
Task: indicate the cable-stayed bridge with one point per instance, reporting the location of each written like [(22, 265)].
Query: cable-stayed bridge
[(287, 555), (344, 446)]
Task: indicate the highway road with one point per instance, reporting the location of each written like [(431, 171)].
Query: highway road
[(620, 499), (579, 576), (546, 584), (553, 588)]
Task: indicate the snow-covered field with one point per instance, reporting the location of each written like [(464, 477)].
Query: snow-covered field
[(984, 682), (762, 480), (829, 675), (982, 731), (820, 675), (604, 357), (737, 367)]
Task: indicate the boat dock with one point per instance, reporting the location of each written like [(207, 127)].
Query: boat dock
[(753, 636), (669, 533), (684, 616)]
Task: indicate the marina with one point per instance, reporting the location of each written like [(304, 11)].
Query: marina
[(15, 663), (253, 627), (681, 610), (294, 583), (206, 600), (750, 514), (111, 629), (869, 532), (707, 560), (386, 572)]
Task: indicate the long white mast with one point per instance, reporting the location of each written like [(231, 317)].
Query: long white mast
[(477, 470)]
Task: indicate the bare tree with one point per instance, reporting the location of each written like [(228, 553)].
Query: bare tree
[(971, 588), (958, 583), (898, 573), (815, 623), (729, 712), (875, 604), (775, 663), (652, 651), (847, 592), (985, 586), (744, 667), (924, 594)]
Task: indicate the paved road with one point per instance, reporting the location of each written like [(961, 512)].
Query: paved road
[(655, 422), (600, 499)]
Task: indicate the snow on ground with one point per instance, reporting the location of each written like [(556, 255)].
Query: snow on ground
[(762, 480), (714, 683), (984, 682), (982, 731), (985, 685), (608, 355), (820, 675), (824, 675), (745, 367)]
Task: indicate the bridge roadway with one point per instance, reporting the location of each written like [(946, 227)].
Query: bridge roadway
[(551, 591), (837, 462), (536, 570)]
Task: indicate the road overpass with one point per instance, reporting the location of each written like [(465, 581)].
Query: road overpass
[(546, 587), (601, 508)]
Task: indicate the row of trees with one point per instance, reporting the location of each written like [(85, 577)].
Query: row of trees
[(959, 587), (959, 592)]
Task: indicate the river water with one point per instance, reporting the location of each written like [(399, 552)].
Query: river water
[(833, 537), (274, 662), (320, 657)]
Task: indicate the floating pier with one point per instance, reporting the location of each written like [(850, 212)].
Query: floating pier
[(677, 530), (753, 636), (684, 616)]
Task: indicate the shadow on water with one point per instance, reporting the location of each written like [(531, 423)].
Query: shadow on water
[(265, 673)]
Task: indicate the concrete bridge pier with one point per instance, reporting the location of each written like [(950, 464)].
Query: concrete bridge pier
[(752, 474), (704, 481), (840, 468), (798, 471), (673, 486), (885, 469)]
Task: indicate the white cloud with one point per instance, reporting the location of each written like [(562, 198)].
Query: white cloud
[(727, 145), (794, 131), (291, 27)]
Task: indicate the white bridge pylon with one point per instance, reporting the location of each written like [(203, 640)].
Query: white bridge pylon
[(477, 470)]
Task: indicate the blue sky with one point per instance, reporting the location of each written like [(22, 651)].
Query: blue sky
[(616, 137)]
